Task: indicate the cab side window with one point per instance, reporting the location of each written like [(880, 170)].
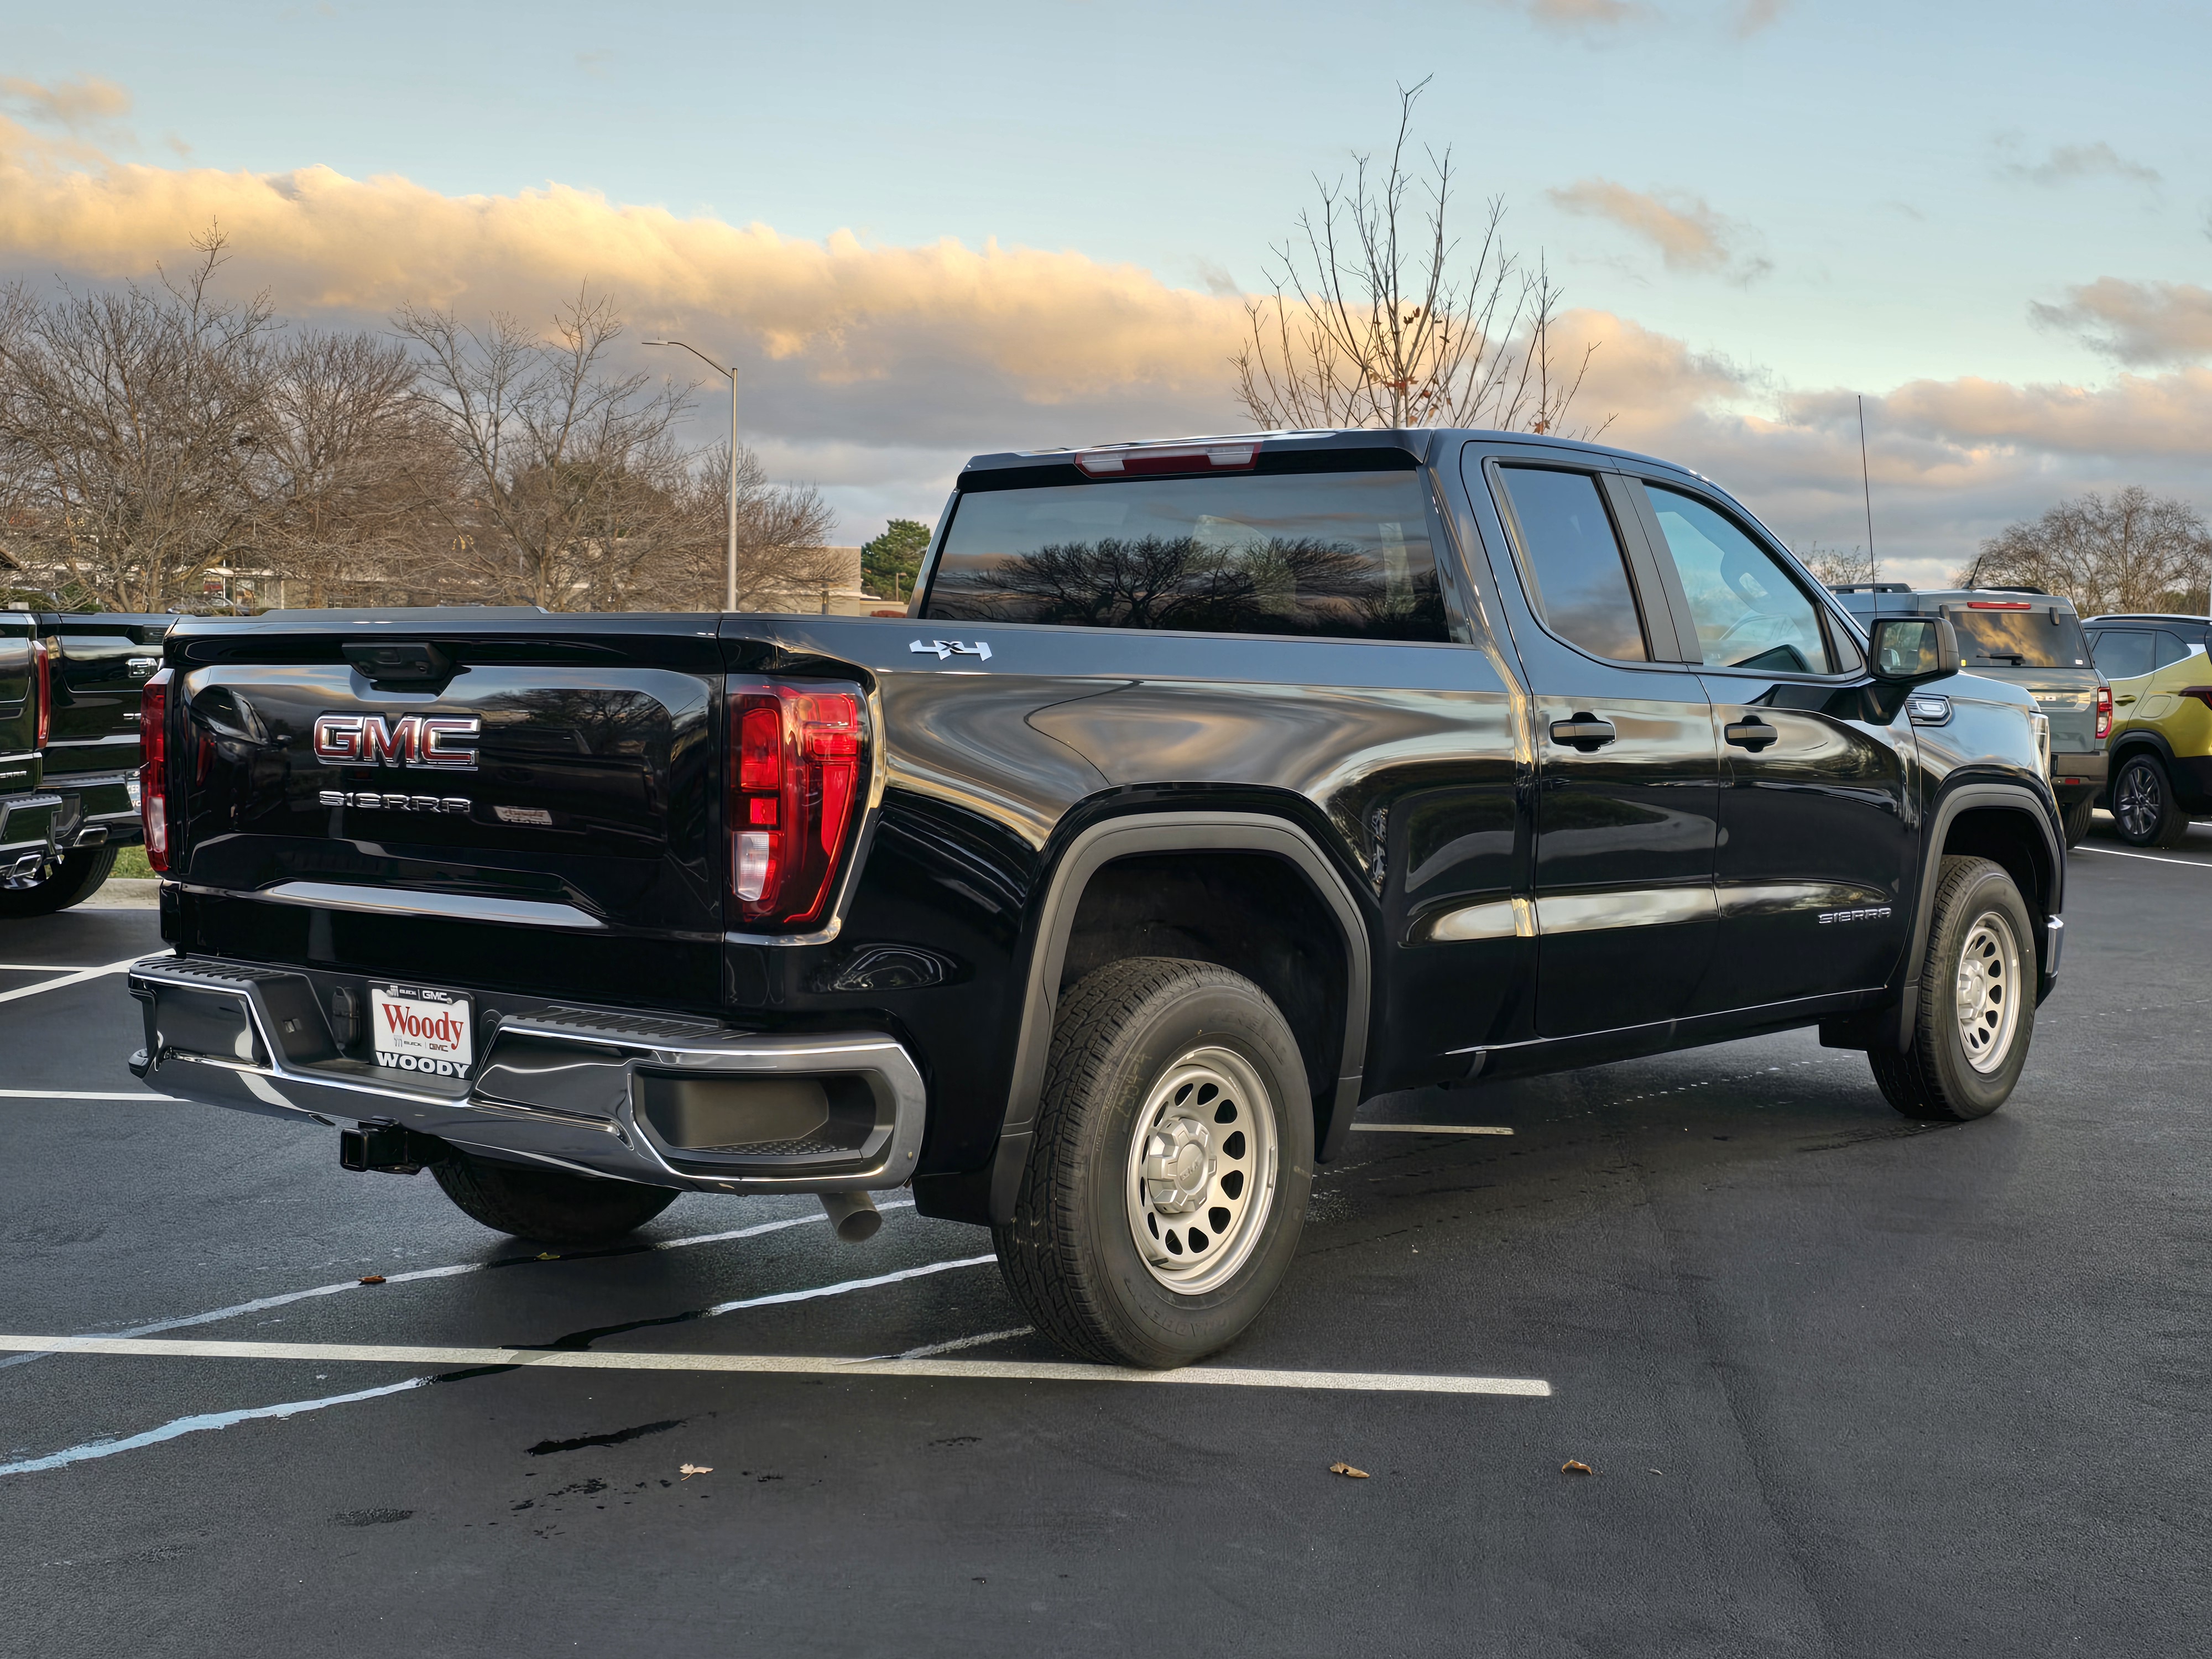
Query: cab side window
[(1749, 612), (2124, 654), (1572, 559)]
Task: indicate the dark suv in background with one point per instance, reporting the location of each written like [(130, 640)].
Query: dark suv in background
[(2027, 638)]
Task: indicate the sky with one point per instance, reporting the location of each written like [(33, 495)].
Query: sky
[(923, 232)]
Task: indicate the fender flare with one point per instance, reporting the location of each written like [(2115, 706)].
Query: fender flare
[(1168, 831), (1961, 798), (2142, 738)]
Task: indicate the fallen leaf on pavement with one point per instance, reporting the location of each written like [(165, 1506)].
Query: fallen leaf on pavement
[(1575, 1466), (1348, 1472), (691, 1469), (372, 1279), (547, 1255)]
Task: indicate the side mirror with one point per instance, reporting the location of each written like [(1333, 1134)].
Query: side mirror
[(1910, 649)]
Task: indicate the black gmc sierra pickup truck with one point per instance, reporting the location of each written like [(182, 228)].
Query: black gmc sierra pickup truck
[(1207, 790), (69, 750)]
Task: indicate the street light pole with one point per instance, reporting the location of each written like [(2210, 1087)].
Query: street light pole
[(729, 570)]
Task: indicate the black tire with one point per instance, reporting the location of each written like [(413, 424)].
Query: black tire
[(1070, 1255), (76, 879), (1934, 1078), (2077, 820), (2144, 810), (548, 1207)]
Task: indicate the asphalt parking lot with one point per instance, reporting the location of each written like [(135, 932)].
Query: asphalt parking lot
[(1848, 1384)]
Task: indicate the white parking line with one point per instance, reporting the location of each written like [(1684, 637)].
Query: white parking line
[(199, 1424), (779, 1297), (1007, 1370), (77, 978), (1430, 1128), (79, 1094), (262, 1305), (2149, 858)]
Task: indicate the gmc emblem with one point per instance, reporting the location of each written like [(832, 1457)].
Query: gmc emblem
[(415, 740)]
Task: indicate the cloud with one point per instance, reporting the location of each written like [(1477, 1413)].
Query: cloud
[(1577, 17), (875, 370), (1688, 233), (943, 342), (1752, 16), (2138, 323), (73, 105), (2069, 164)]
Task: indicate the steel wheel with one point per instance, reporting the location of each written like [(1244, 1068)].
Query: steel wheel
[(1989, 991), (1201, 1171)]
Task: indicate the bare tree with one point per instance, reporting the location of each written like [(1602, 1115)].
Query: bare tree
[(782, 562), (130, 431), (1834, 566), (574, 485), (2131, 551), (354, 475), (1374, 321)]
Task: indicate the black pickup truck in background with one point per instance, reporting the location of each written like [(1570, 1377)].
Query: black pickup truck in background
[(69, 750), (1208, 790)]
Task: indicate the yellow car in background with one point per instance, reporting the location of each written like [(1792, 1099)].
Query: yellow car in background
[(2159, 774)]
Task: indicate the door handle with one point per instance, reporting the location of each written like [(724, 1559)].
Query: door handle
[(2128, 698), (1753, 734), (1585, 732)]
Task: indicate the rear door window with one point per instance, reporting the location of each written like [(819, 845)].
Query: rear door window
[(2125, 654), (1573, 559), (2170, 648), (1338, 554), (1748, 611)]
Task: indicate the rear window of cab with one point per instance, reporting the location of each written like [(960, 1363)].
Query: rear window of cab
[(1325, 555)]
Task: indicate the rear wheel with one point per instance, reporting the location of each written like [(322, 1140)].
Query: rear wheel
[(2077, 819), (2144, 810), (1167, 1183), (1977, 1008), (549, 1206), (76, 878)]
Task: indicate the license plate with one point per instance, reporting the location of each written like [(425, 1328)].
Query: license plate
[(419, 1029)]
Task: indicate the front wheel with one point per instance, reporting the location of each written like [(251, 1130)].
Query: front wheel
[(1977, 1009), (551, 1206), (1167, 1183), (2144, 810)]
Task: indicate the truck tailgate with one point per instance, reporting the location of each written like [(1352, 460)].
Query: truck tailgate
[(530, 813)]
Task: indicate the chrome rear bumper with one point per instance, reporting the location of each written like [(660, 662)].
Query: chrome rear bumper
[(598, 1091)]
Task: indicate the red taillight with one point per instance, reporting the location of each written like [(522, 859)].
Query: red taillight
[(1998, 605), (1152, 460), (2104, 712), (42, 668), (796, 783), (2201, 693), (153, 774)]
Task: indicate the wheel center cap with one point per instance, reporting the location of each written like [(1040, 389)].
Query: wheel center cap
[(1178, 1164)]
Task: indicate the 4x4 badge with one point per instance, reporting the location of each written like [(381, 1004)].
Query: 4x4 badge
[(981, 650)]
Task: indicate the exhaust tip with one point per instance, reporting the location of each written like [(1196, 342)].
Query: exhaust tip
[(854, 1216)]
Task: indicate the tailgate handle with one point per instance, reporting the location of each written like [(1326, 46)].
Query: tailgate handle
[(1584, 732), (1753, 734), (398, 662)]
